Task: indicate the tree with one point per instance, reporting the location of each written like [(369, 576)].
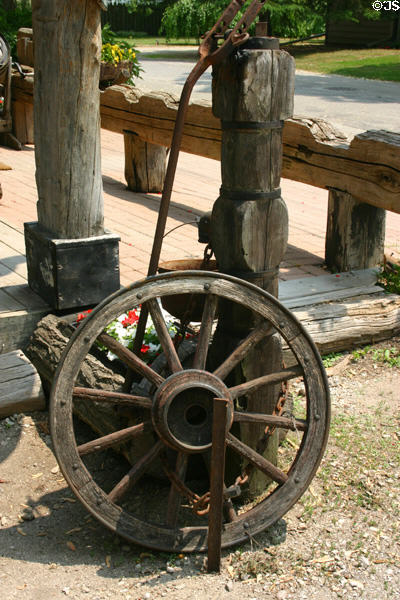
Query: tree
[(13, 15), (304, 17), (191, 18), (286, 18)]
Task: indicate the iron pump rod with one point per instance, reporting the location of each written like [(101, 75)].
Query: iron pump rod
[(210, 54)]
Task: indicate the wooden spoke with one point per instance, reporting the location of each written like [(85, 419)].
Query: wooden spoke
[(200, 357), (273, 378), (174, 499), (273, 420), (256, 459), (240, 352), (135, 473), (112, 439), (130, 359), (164, 336), (111, 397)]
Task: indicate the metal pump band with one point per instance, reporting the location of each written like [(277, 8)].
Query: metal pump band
[(246, 196), (251, 125)]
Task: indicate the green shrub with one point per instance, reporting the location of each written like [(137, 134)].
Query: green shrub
[(12, 20), (389, 278)]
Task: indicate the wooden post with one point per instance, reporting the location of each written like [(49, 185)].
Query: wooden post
[(252, 95), (22, 121), (71, 260), (25, 47), (67, 37), (145, 164), (355, 233)]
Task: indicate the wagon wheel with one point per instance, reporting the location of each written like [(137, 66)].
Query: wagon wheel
[(179, 415)]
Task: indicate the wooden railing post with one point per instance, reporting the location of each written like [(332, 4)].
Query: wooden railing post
[(145, 164), (252, 95), (355, 233)]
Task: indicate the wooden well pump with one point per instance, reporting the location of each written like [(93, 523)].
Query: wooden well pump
[(184, 413)]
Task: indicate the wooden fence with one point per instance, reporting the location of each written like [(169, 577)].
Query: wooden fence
[(364, 32), (363, 175), (140, 21)]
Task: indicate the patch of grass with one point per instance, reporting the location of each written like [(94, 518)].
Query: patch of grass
[(161, 41), (388, 356), (389, 278), (360, 352), (330, 359), (371, 63)]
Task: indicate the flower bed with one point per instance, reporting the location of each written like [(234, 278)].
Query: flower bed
[(123, 329)]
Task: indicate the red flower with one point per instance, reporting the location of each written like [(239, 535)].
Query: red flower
[(83, 315), (145, 348), (131, 319)]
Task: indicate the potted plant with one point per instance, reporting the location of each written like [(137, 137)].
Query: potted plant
[(119, 64)]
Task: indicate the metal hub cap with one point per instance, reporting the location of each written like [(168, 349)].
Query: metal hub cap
[(183, 409)]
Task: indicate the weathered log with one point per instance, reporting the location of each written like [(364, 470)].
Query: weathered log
[(45, 348), (350, 323), (314, 152), (355, 233)]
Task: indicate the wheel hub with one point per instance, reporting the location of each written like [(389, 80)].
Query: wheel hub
[(183, 409)]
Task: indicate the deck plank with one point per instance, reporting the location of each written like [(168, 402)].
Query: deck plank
[(20, 385)]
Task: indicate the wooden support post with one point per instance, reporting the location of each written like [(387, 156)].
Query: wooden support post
[(145, 164), (355, 233), (252, 95), (67, 117), (71, 260)]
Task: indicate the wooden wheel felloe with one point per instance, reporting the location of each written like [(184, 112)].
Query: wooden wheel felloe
[(174, 419)]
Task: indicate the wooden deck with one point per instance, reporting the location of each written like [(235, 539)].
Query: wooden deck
[(133, 217)]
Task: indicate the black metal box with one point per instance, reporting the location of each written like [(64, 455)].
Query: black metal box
[(71, 273)]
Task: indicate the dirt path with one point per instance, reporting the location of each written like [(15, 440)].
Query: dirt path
[(342, 539)]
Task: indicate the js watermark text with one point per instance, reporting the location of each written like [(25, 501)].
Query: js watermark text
[(386, 5)]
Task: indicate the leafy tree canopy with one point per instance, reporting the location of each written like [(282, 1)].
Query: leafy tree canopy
[(288, 18), (13, 15)]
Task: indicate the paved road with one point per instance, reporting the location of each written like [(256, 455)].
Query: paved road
[(353, 105)]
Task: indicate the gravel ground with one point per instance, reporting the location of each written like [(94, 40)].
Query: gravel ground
[(341, 540)]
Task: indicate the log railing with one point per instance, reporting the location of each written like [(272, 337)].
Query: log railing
[(363, 174), (368, 167)]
